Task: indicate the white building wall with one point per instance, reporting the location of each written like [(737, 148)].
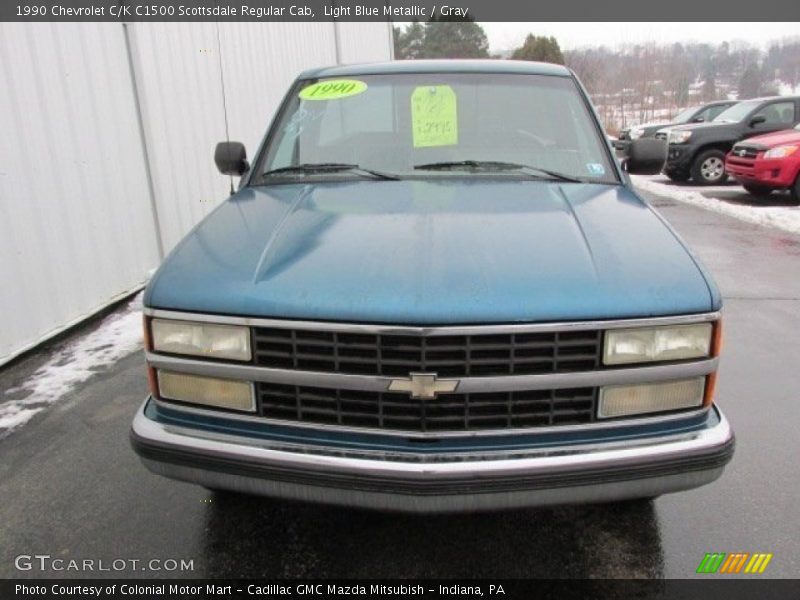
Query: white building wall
[(180, 94), (77, 225), (259, 67)]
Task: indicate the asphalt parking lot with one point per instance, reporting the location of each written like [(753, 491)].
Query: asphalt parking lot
[(71, 487)]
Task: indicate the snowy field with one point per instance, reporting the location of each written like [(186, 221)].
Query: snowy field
[(115, 337), (729, 200)]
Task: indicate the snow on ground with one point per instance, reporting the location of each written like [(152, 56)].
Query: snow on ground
[(118, 335), (786, 218)]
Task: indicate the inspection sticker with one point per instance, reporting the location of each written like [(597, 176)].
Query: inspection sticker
[(434, 116), (596, 169), (332, 89)]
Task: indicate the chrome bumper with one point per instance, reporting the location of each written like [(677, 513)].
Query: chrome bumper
[(436, 482)]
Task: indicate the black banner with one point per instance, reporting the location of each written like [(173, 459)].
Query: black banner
[(395, 10), (707, 589)]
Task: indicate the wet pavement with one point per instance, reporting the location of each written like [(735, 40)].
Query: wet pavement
[(71, 487)]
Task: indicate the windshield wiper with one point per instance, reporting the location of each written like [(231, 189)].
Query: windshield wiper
[(495, 165), (311, 168)]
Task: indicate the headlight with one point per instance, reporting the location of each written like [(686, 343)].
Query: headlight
[(651, 344), (679, 137), (208, 340), (625, 400), (209, 391), (636, 133), (780, 152)]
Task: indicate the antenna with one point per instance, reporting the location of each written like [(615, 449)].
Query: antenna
[(224, 99)]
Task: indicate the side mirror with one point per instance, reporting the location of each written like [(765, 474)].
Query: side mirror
[(758, 119), (698, 119), (231, 158), (646, 156)]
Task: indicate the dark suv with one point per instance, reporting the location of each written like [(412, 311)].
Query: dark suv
[(693, 114), (698, 151)]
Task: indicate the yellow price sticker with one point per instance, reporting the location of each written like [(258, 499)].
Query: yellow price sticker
[(434, 116), (332, 89)]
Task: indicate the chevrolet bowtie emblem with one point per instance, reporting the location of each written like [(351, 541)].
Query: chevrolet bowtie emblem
[(423, 386)]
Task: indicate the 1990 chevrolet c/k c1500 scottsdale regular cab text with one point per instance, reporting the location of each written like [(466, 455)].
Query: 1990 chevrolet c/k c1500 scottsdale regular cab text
[(435, 290)]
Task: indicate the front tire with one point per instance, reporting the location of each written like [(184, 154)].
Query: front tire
[(709, 168), (757, 190)]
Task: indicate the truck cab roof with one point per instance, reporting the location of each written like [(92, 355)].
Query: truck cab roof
[(512, 67)]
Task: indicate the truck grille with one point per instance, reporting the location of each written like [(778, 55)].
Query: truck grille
[(448, 412), (446, 355)]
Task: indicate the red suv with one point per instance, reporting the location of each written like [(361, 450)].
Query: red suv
[(767, 162)]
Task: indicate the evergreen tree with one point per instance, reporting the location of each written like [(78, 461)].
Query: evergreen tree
[(409, 43), (441, 37), (453, 37), (539, 48)]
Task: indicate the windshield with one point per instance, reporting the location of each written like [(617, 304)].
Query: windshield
[(435, 125), (685, 115), (737, 112)]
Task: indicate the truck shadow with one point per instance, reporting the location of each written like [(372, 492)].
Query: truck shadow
[(262, 538)]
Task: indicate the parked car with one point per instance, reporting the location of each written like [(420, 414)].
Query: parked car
[(698, 152), (435, 290), (693, 114), (768, 162)]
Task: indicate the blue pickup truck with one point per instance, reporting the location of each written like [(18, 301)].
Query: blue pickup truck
[(434, 290)]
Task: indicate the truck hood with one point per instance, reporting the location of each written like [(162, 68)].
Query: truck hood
[(778, 138), (432, 252)]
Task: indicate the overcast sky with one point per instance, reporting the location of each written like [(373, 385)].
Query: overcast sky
[(503, 36)]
